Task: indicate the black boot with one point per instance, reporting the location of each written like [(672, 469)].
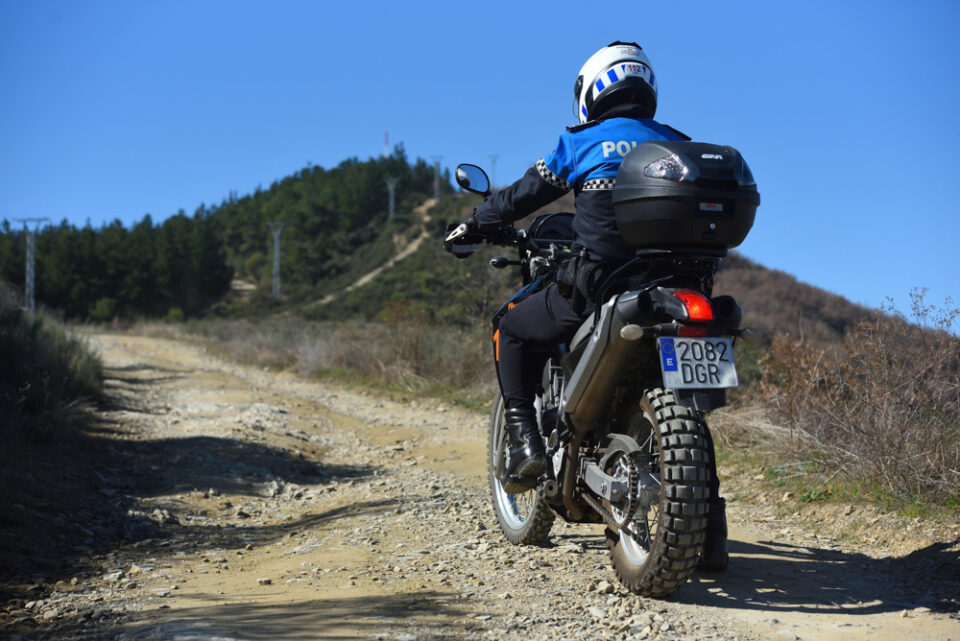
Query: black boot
[(526, 459), (715, 554)]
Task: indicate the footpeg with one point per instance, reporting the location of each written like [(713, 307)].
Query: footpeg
[(516, 484)]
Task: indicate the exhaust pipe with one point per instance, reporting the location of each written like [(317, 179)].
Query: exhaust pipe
[(593, 381)]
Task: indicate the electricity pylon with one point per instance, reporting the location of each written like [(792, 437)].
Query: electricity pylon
[(28, 295), (436, 176), (392, 186), (276, 227)]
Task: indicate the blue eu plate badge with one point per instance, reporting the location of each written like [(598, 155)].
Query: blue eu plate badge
[(668, 355)]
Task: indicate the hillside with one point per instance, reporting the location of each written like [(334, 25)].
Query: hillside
[(459, 290), (335, 227), (336, 235), (776, 302)]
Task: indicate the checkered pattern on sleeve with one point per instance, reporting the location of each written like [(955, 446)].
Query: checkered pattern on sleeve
[(598, 184), (551, 178)]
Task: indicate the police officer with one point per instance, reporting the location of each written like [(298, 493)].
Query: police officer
[(615, 98)]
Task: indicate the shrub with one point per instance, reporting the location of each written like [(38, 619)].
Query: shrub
[(254, 265), (104, 309), (45, 374), (883, 408)]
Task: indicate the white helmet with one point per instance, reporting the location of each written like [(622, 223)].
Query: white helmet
[(617, 74)]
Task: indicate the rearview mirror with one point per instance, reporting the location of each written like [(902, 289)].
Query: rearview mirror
[(474, 179)]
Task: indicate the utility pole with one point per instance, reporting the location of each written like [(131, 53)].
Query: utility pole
[(276, 227), (392, 186), (493, 171), (28, 295), (436, 176)]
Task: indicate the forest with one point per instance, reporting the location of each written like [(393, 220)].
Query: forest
[(334, 219)]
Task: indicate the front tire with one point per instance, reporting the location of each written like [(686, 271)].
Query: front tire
[(524, 518), (671, 533)]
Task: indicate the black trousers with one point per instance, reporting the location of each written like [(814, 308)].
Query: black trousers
[(540, 321)]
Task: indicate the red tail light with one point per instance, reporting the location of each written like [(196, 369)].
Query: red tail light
[(698, 305)]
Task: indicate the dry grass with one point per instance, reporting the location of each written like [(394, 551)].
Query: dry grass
[(404, 352), (882, 409), (46, 376)]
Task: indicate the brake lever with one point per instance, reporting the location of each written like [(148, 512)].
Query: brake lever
[(461, 230)]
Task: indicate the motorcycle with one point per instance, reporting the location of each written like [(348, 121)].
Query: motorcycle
[(621, 405)]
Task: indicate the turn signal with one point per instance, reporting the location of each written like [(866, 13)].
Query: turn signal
[(698, 305)]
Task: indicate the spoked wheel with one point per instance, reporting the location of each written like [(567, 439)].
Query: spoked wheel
[(524, 518), (657, 550)]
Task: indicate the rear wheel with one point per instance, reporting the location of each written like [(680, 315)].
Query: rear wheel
[(524, 518), (666, 535)]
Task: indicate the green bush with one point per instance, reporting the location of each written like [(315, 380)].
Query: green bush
[(254, 265), (104, 309)]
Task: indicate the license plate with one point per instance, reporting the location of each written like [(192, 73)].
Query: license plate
[(697, 363)]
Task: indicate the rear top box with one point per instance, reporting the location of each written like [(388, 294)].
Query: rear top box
[(677, 194)]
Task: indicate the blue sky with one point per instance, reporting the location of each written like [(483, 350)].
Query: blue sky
[(846, 111)]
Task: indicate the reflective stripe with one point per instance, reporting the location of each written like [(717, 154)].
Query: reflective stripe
[(598, 184), (551, 178)]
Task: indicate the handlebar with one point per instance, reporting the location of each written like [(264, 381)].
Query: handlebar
[(506, 236)]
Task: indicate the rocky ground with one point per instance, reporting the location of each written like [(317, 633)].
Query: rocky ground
[(215, 501)]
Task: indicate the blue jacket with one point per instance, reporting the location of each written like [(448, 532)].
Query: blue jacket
[(586, 160)]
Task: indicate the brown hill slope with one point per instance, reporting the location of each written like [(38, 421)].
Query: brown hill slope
[(772, 300), (776, 302)]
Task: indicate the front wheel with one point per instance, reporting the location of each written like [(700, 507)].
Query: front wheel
[(524, 518), (659, 552)]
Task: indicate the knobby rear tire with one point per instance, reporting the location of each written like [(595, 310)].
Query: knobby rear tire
[(525, 518), (677, 527)]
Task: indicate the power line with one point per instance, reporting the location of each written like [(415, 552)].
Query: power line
[(276, 227), (29, 300)]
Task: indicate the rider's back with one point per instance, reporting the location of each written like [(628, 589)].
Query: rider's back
[(586, 160)]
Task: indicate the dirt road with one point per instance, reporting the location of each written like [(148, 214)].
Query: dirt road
[(254, 505)]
